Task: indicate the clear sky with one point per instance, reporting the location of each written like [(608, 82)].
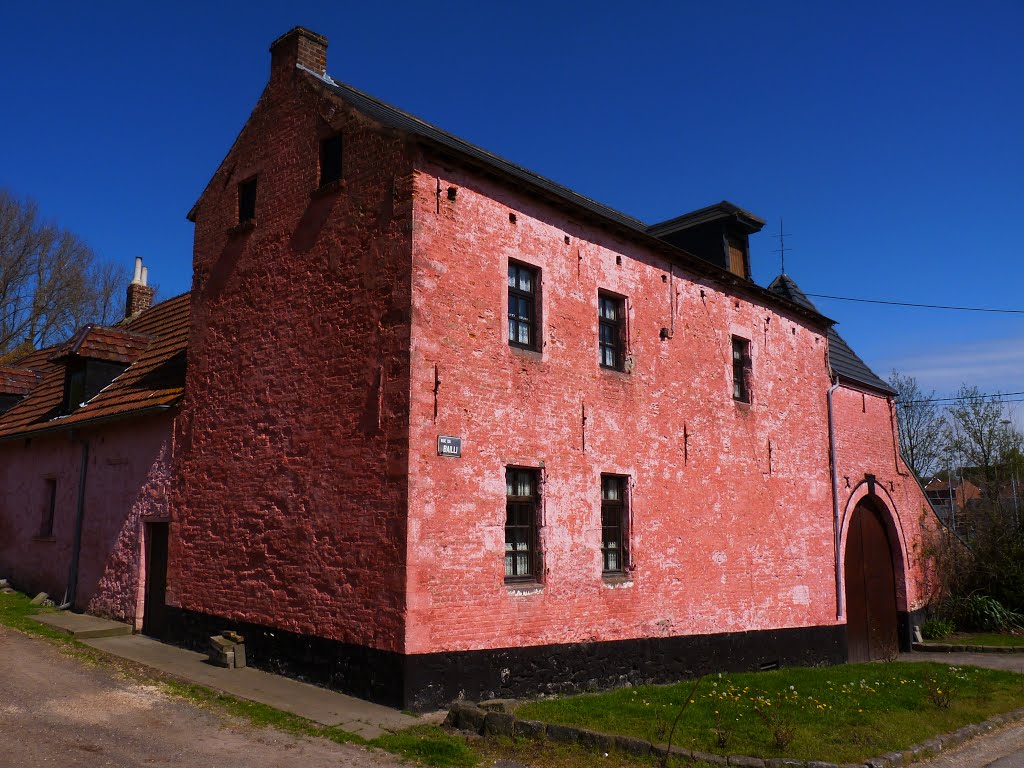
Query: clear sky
[(888, 136)]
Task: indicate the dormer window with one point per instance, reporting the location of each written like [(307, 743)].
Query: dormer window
[(74, 387), (92, 359)]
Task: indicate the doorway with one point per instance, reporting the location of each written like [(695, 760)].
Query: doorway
[(871, 619), (154, 616)]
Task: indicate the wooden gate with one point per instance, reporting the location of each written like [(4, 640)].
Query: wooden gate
[(870, 587)]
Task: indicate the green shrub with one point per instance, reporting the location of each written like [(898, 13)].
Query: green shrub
[(980, 613), (936, 629)]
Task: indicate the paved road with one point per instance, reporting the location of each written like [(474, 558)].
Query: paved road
[(54, 710)]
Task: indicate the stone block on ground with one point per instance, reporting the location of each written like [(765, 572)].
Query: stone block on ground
[(742, 761), (499, 724), (38, 599), (498, 705), (633, 746), (530, 729), (468, 717), (563, 734)]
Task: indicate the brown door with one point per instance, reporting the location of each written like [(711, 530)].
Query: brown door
[(154, 618), (870, 588)]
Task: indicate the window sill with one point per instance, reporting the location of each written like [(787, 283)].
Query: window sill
[(528, 352), (45, 539), (327, 189), (617, 580), (523, 588), (743, 405), (243, 227)]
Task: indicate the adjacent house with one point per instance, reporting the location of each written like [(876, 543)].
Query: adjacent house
[(451, 429)]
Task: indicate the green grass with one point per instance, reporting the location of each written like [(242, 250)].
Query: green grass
[(984, 638), (429, 745), (15, 612), (839, 714)]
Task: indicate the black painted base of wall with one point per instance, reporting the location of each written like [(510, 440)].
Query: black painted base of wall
[(905, 623), (355, 669), (430, 681)]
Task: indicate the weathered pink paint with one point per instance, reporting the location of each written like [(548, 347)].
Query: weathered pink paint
[(866, 443), (125, 484), (724, 539)]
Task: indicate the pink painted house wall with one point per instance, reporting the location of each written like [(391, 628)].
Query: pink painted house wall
[(125, 484)]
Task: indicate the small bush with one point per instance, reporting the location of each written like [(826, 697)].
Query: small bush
[(780, 725), (941, 695), (936, 629), (980, 613)]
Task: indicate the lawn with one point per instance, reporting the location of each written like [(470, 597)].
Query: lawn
[(983, 638), (840, 714)]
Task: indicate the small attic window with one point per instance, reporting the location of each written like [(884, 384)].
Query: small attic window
[(330, 160), (84, 379), (247, 201), (74, 388)]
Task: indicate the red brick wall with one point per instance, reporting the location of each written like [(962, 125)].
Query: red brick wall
[(722, 541), (293, 474), (125, 483), (866, 444)]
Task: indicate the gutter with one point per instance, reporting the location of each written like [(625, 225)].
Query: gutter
[(69, 595), (840, 607), (85, 423)]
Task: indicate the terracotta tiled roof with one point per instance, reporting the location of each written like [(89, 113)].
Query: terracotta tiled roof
[(96, 342), (154, 341), (17, 380)]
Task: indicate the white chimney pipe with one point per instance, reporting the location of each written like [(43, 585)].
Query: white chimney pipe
[(137, 279), (145, 275)]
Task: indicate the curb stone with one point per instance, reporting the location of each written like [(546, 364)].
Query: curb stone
[(468, 716), (951, 648)]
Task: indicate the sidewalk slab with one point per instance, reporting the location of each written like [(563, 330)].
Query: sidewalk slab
[(82, 626), (309, 701)]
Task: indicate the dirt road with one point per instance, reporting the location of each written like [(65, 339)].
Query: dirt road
[(56, 710)]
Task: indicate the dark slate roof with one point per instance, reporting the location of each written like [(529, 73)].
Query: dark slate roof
[(843, 360), (392, 117), (722, 210)]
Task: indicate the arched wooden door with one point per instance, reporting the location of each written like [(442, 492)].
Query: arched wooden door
[(870, 587)]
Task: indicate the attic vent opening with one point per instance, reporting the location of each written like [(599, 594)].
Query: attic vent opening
[(247, 201), (512, 218), (452, 192), (330, 160)]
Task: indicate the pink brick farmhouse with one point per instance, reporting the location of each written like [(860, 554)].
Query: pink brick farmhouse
[(448, 428)]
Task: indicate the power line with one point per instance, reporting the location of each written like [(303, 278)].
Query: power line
[(921, 306), (1002, 397)]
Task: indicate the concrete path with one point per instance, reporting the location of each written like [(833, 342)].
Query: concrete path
[(56, 711), (309, 701), (82, 626), (1009, 662), (1002, 749)]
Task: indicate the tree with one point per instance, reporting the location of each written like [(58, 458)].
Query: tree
[(51, 282), (921, 426), (982, 437)]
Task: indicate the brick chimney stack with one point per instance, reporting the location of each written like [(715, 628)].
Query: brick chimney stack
[(299, 46), (140, 295)]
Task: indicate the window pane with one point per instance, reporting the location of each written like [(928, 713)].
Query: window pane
[(511, 276)]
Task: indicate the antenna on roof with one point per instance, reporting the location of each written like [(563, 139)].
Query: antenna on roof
[(781, 250)]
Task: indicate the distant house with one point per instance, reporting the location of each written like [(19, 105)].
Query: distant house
[(452, 429), (950, 497)]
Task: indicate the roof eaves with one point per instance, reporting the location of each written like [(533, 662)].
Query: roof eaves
[(52, 428)]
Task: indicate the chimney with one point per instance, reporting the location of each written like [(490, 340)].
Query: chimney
[(140, 295), (302, 47)]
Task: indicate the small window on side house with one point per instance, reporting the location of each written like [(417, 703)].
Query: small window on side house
[(330, 160), (49, 506), (521, 541), (74, 388), (247, 201), (611, 312), (614, 525), (522, 306), (741, 369)]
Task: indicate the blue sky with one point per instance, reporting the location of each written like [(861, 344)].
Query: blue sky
[(888, 136)]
